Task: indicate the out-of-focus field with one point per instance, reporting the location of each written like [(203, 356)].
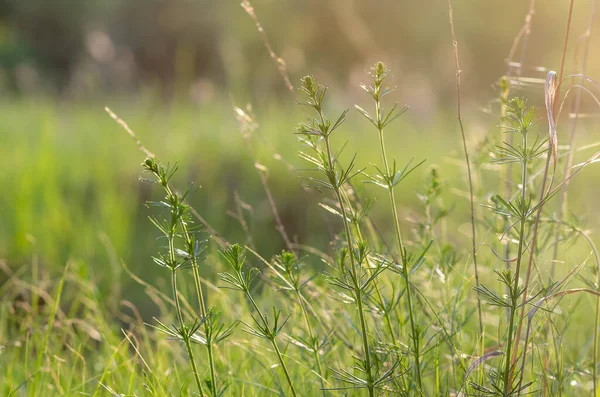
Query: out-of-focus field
[(72, 188), (72, 178)]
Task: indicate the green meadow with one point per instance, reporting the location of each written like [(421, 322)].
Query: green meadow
[(319, 241)]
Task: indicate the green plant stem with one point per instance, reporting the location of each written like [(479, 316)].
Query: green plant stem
[(508, 186), (203, 314), (182, 325), (530, 265), (507, 366), (174, 279), (405, 271), (201, 302), (211, 361), (597, 318), (179, 312), (401, 247), (273, 343), (386, 315), (358, 292), (515, 287), (595, 353), (315, 345), (523, 36), (543, 189), (188, 346)]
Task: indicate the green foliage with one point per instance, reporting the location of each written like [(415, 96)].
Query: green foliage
[(389, 315)]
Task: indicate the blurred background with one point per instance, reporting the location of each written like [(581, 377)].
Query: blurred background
[(174, 69), (203, 50)]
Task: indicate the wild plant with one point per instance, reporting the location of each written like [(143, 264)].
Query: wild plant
[(520, 121), (389, 178), (287, 269), (414, 330), (523, 211), (241, 280), (177, 228), (355, 257), (398, 311)]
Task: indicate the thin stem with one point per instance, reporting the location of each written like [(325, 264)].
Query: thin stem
[(597, 321), (203, 314), (507, 366), (405, 270), (358, 292), (273, 343), (284, 367), (523, 35), (200, 298), (188, 346), (176, 297), (248, 125), (468, 163), (529, 266), (182, 324), (595, 353), (515, 287), (211, 361), (379, 296), (575, 106), (564, 56), (279, 62), (542, 197), (315, 345)]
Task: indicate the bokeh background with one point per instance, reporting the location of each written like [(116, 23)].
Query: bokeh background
[(201, 50), (174, 70)]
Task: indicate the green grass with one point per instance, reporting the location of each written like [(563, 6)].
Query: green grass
[(80, 289)]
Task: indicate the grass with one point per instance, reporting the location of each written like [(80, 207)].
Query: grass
[(343, 268)]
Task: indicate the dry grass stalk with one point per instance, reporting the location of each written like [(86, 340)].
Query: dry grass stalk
[(281, 66), (123, 124), (468, 163)]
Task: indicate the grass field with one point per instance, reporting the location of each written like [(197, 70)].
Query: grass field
[(75, 212), (299, 250)]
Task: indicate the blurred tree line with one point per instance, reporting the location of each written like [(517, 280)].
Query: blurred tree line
[(108, 44), (86, 47)]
